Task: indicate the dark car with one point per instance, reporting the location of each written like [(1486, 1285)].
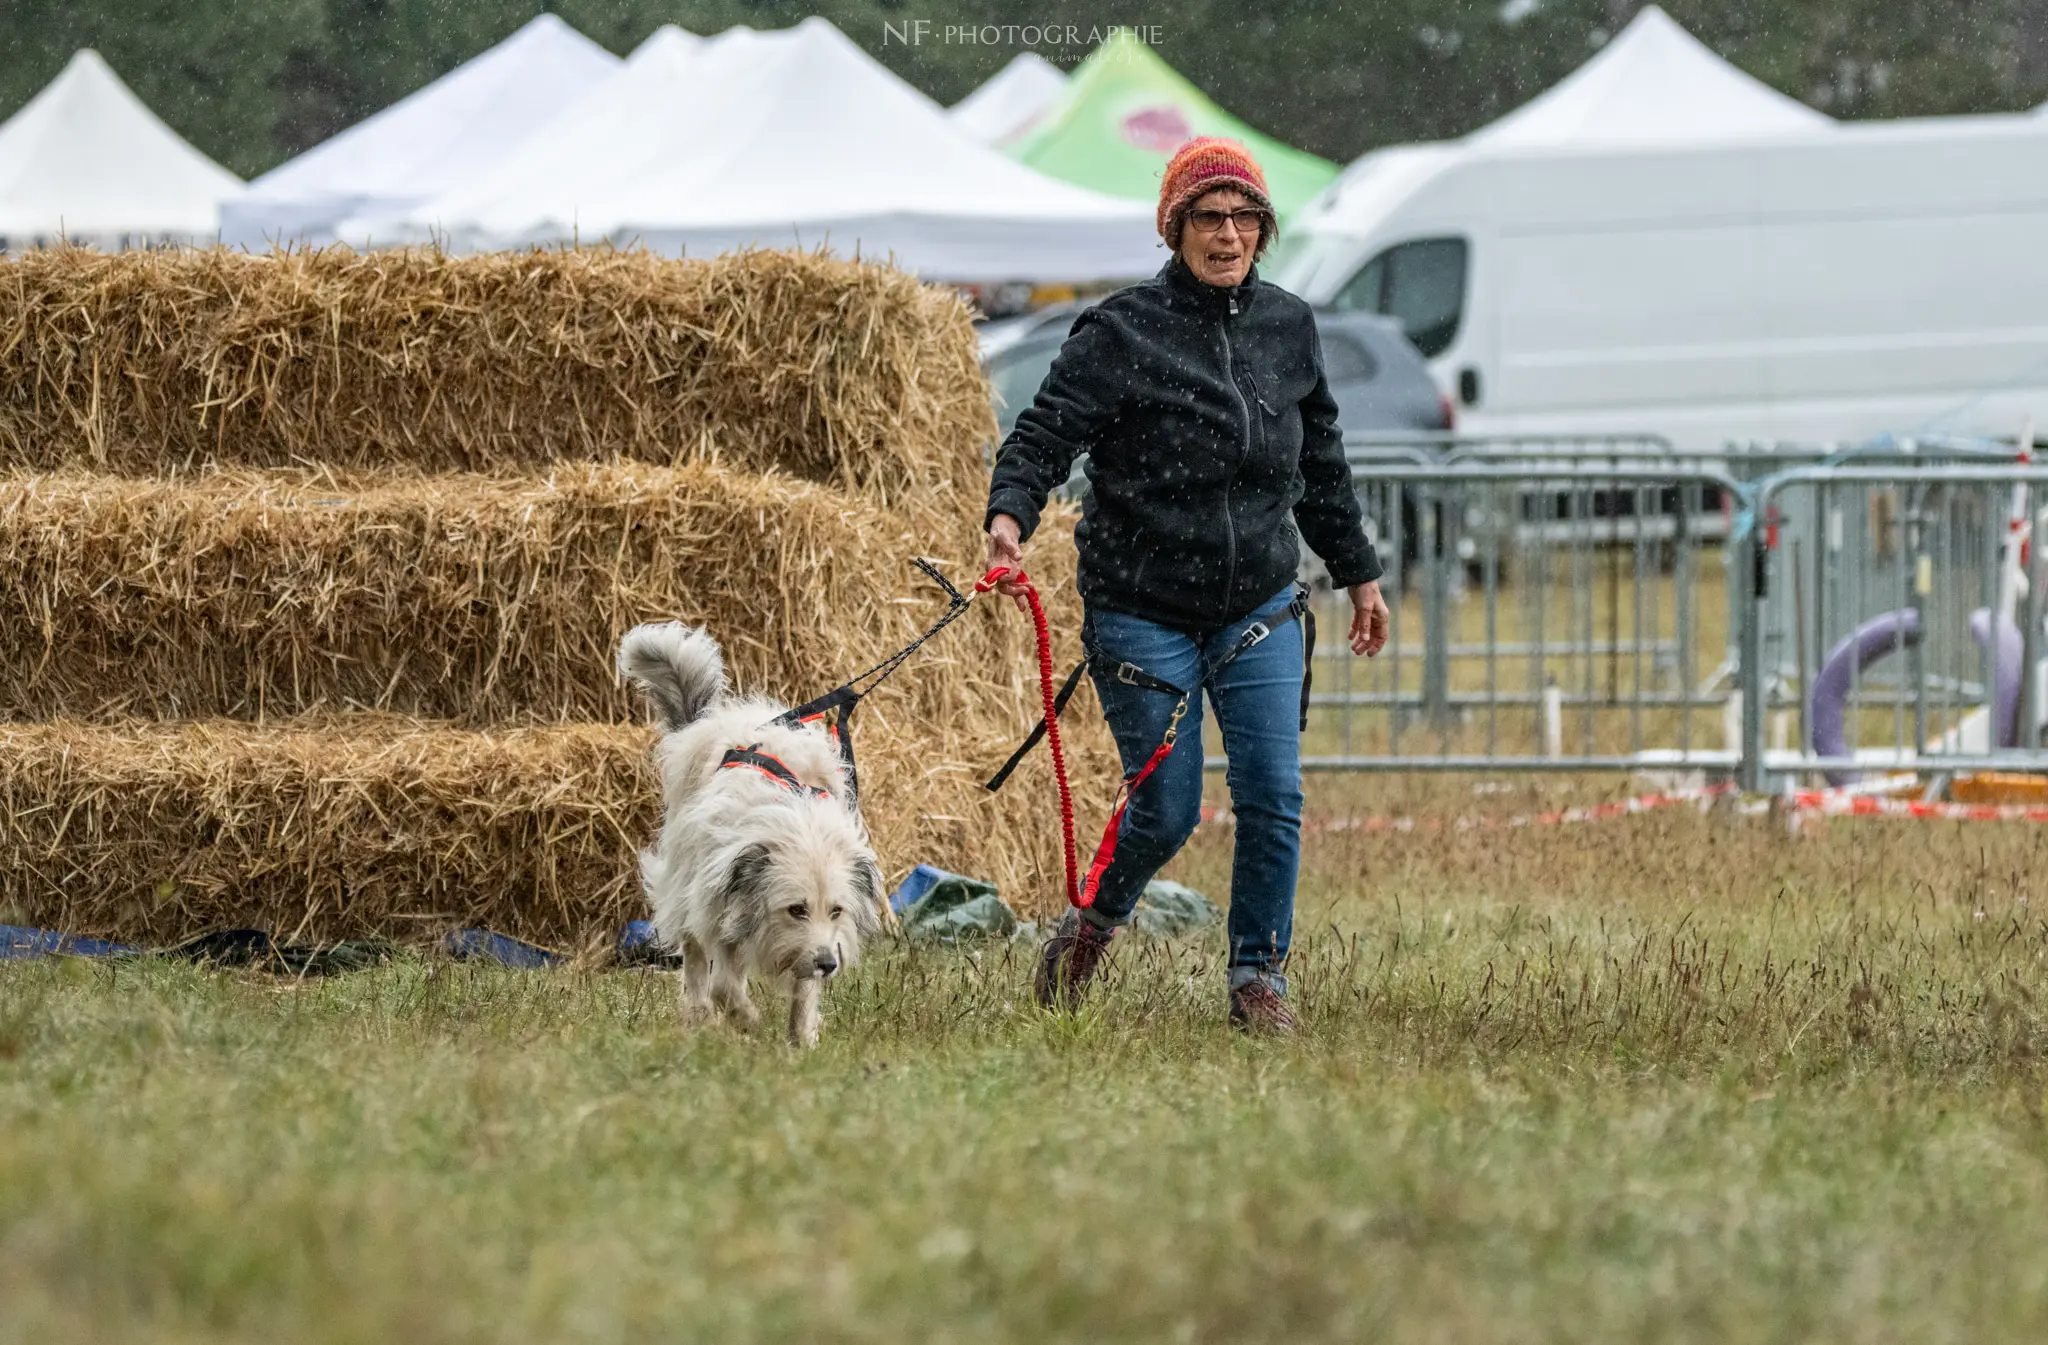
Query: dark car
[(1379, 380)]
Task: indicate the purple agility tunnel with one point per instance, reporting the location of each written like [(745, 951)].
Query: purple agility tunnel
[(1827, 710)]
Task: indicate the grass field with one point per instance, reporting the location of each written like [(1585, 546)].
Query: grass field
[(1668, 1078)]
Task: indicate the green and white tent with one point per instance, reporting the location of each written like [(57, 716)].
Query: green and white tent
[(1123, 114)]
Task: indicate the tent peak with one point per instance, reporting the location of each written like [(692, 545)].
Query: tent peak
[(433, 135), (545, 21), (1011, 101), (1652, 82), (1029, 60), (1124, 112), (87, 158), (670, 36)]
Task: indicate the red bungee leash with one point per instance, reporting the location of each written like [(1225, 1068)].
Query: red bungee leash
[(1113, 831), (1052, 721), (845, 697)]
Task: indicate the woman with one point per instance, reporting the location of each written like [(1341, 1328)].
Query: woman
[(1213, 452)]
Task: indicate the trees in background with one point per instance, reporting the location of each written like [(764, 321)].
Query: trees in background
[(252, 82)]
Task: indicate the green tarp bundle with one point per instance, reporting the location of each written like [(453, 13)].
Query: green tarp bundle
[(1123, 114), (952, 908)]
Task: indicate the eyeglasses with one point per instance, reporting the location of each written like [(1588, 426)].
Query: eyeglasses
[(1209, 221)]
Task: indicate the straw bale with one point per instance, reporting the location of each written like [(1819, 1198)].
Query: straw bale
[(157, 832), (288, 596), (371, 825), (471, 598), (827, 369)]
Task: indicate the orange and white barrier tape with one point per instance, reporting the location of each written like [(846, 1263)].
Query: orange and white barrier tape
[(1849, 801), (1702, 798), (1826, 803)]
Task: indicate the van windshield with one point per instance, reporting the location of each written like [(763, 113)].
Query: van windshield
[(1421, 284)]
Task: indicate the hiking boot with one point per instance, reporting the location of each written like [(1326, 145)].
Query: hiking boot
[(1257, 1007), (1070, 959)]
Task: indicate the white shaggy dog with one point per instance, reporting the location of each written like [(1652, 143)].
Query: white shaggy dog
[(761, 864)]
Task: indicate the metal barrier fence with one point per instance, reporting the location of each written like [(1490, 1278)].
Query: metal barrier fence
[(1745, 461), (1893, 623), (1564, 617), (1773, 613)]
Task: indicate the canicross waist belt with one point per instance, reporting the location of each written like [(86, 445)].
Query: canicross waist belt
[(1130, 674)]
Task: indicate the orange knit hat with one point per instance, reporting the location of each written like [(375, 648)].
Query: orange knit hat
[(1204, 164)]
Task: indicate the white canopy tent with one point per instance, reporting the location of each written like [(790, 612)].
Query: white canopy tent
[(87, 160), (423, 143), (1653, 85), (1011, 101), (515, 196), (795, 137)]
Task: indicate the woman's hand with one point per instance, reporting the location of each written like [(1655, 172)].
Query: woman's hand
[(1369, 619), (1004, 550)]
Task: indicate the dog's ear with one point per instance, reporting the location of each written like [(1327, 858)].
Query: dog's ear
[(745, 907), (867, 895)]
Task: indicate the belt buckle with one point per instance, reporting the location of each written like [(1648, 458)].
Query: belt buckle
[(1253, 634), (1128, 673)]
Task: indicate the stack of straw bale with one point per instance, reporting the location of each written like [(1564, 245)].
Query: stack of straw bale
[(312, 569)]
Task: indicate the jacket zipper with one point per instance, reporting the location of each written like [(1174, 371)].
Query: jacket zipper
[(1229, 519)]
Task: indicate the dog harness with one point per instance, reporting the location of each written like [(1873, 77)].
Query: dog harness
[(840, 701), (753, 758)]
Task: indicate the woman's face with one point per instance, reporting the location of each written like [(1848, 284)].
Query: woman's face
[(1222, 256)]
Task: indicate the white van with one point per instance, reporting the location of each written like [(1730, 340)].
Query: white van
[(1859, 279)]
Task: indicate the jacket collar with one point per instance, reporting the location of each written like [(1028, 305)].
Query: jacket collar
[(1187, 284)]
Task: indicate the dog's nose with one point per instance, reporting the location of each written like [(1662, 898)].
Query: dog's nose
[(825, 963)]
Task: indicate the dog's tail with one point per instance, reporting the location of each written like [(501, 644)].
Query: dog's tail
[(678, 666), (653, 873)]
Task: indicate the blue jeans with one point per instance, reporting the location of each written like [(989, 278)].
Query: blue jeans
[(1257, 699)]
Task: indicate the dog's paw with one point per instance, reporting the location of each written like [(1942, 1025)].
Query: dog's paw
[(744, 1015)]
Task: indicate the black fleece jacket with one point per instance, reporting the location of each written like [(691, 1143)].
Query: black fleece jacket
[(1211, 436)]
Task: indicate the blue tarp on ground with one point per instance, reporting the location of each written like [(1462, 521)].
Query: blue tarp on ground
[(930, 902), (222, 947), (18, 943)]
